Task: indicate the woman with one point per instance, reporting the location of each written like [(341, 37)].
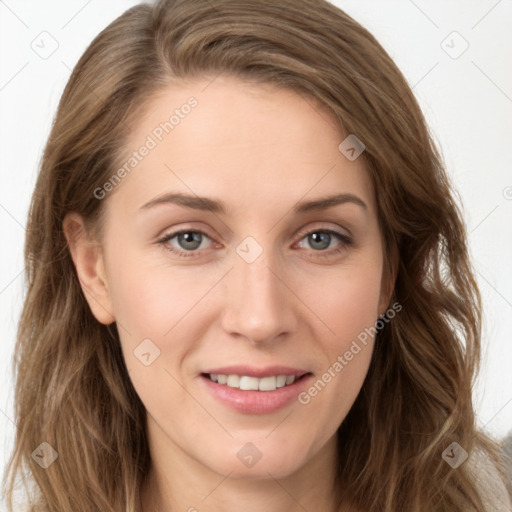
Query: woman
[(249, 284)]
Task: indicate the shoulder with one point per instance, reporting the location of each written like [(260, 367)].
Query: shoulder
[(490, 483)]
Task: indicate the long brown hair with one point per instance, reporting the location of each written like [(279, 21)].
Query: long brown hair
[(73, 390)]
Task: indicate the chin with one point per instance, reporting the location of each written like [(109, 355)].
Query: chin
[(251, 463)]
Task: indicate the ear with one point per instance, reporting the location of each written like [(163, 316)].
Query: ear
[(87, 257), (387, 286)]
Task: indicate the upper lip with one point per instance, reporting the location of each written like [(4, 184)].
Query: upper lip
[(251, 371)]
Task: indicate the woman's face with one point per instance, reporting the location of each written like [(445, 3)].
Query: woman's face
[(257, 288)]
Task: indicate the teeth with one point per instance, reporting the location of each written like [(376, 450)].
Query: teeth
[(281, 381), (268, 383), (233, 381), (249, 383), (246, 383)]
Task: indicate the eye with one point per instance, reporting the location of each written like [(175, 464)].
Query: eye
[(187, 239), (320, 239)]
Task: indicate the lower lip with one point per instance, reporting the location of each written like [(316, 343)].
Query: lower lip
[(256, 402)]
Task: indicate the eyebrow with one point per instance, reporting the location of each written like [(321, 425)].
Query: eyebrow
[(218, 207)]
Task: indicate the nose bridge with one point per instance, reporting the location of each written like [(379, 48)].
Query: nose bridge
[(257, 301)]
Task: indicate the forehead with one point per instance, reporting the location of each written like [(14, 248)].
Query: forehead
[(245, 142)]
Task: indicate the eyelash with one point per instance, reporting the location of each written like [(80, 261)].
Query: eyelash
[(345, 240)]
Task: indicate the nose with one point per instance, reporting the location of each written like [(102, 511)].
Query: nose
[(259, 302)]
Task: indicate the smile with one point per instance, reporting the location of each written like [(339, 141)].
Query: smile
[(264, 392), (247, 383)]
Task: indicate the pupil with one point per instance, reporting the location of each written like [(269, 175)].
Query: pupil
[(191, 238), (316, 237)]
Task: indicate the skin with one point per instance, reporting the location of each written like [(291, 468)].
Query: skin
[(260, 150)]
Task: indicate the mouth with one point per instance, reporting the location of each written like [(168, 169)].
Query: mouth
[(250, 390), (251, 383)]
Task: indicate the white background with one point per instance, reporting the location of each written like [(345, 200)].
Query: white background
[(467, 101)]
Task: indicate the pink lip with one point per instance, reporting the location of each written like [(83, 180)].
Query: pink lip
[(255, 402), (267, 371)]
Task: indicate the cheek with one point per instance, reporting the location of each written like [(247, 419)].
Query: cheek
[(154, 303), (348, 302), (150, 300), (349, 308), (171, 307)]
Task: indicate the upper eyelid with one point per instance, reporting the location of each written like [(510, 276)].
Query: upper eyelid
[(319, 225), (338, 230)]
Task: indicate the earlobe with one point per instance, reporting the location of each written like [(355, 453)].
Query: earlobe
[(89, 264)]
